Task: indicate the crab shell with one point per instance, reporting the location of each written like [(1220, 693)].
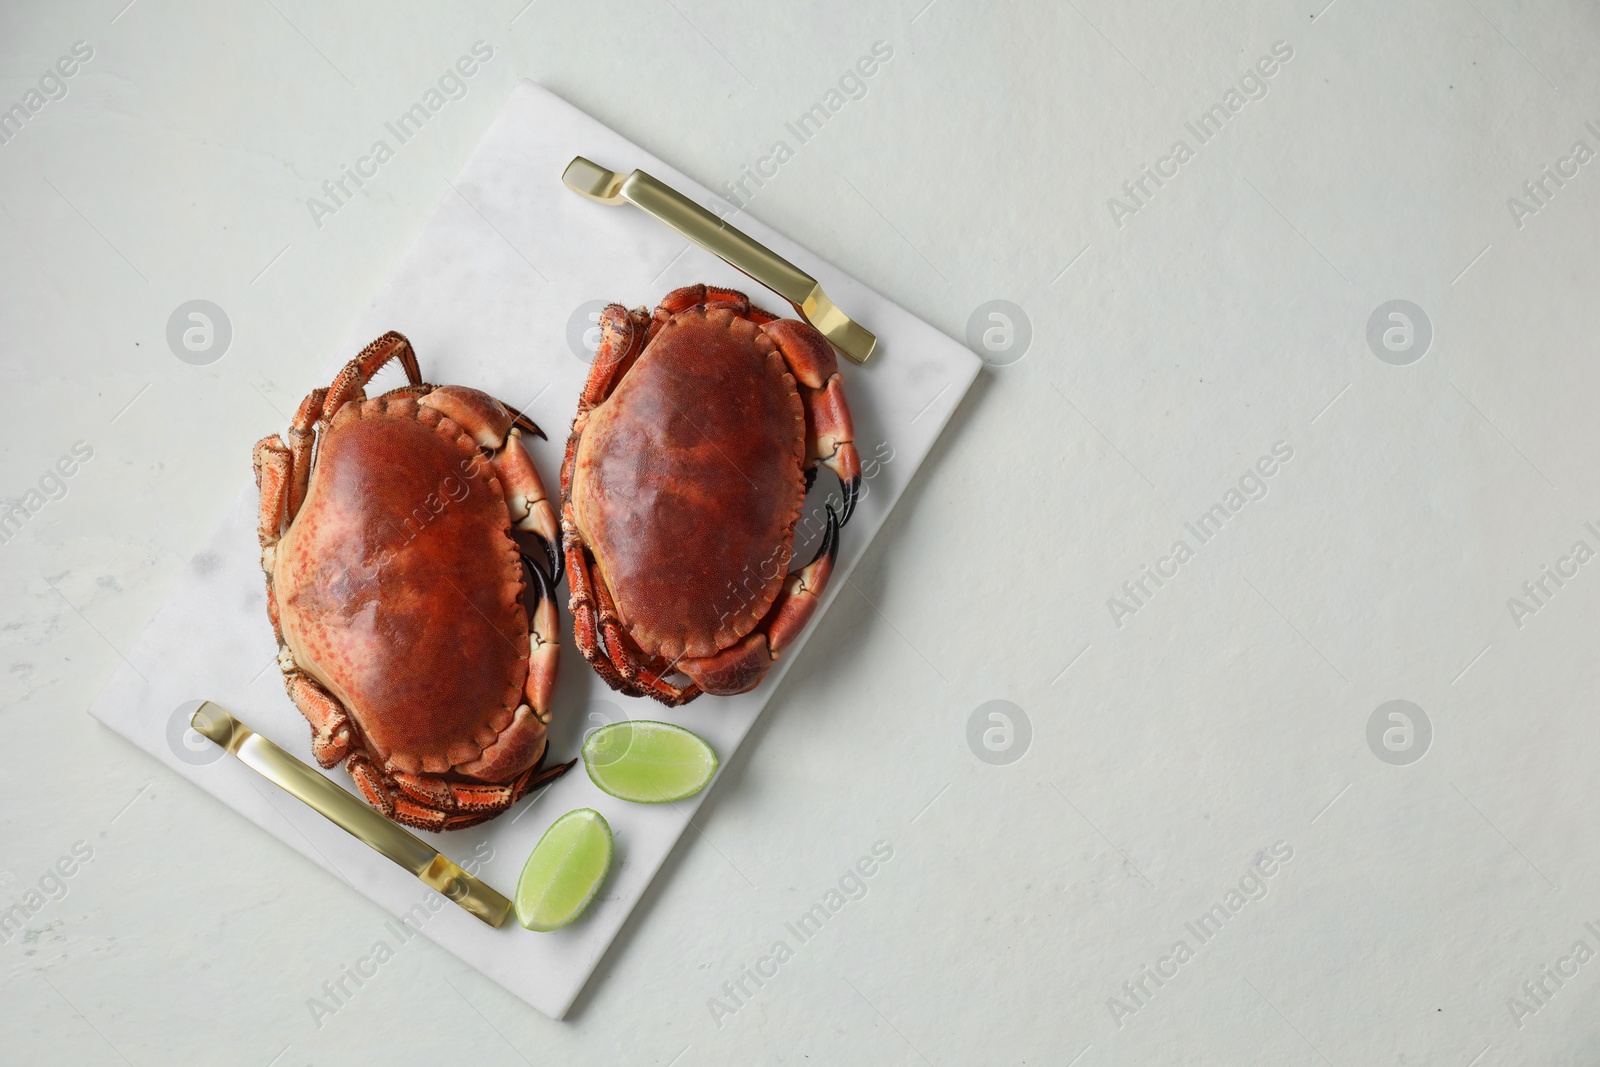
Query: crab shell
[(696, 438), (416, 626)]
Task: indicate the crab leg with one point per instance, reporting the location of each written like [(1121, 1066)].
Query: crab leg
[(369, 781), (635, 666), (612, 632), (623, 335), (617, 660), (352, 380), (273, 464), (462, 803), (437, 804), (302, 437), (588, 641), (710, 296), (618, 648), (330, 726), (581, 602), (652, 678)]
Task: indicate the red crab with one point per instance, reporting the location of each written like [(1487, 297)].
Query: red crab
[(697, 435), (416, 629)]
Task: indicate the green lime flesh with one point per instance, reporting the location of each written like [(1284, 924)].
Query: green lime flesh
[(564, 871), (648, 762)]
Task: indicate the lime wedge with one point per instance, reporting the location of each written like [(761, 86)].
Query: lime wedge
[(648, 762), (564, 870)]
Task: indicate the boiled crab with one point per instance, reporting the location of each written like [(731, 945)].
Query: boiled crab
[(697, 436), (410, 561)]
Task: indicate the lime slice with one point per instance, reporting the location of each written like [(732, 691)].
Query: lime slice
[(648, 762), (564, 870)]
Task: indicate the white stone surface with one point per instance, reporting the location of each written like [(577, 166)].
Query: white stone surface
[(1227, 714)]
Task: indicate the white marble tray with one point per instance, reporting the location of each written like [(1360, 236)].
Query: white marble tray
[(489, 295)]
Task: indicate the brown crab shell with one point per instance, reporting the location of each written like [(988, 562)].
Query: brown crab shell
[(689, 481), (433, 677)]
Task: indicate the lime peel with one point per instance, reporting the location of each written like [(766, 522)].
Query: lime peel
[(648, 762), (564, 871)]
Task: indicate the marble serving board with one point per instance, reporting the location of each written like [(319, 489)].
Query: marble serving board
[(498, 292)]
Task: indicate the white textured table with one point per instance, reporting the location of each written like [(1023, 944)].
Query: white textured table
[(1200, 291)]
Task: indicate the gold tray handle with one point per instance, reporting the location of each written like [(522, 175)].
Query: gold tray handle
[(729, 243), (350, 814)]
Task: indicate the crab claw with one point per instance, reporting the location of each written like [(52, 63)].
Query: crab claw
[(522, 422), (549, 556), (851, 490), (802, 592), (485, 419), (829, 546)]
